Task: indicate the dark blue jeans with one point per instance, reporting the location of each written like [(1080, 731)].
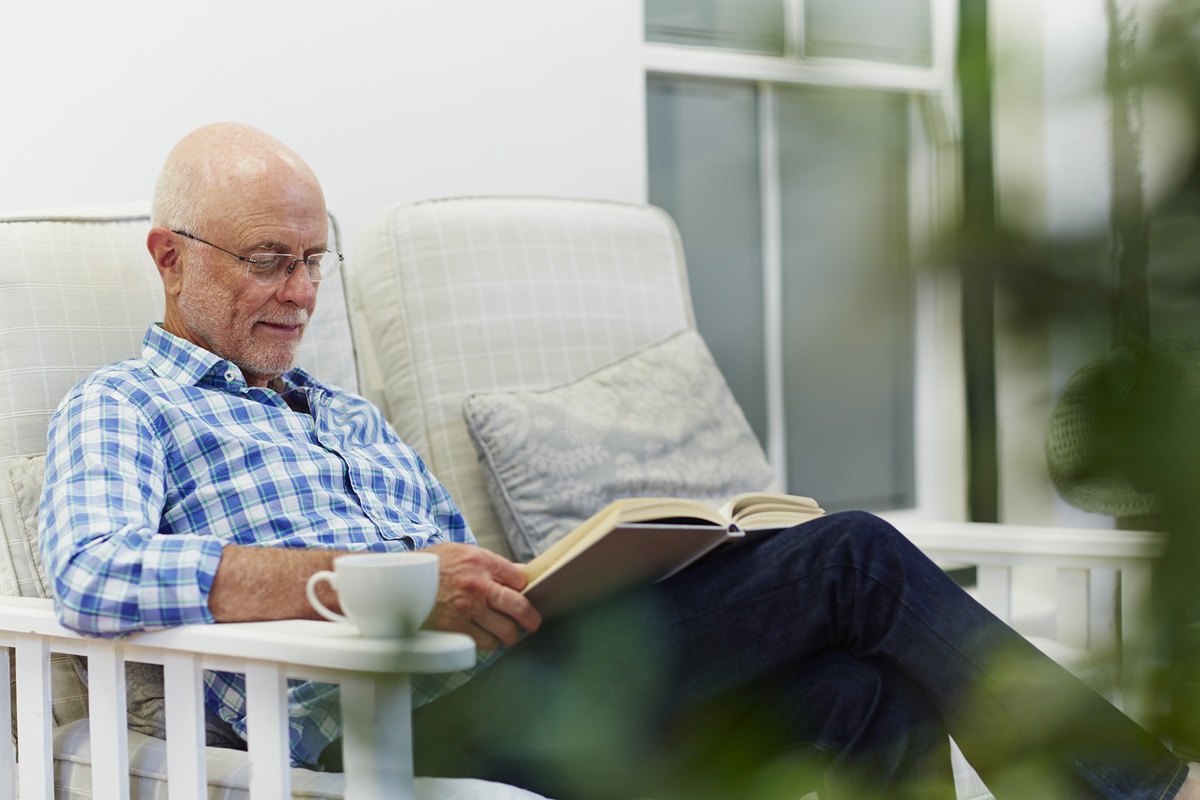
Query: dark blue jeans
[(831, 657)]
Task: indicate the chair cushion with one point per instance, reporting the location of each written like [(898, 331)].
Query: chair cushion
[(77, 290), (229, 774), (483, 294), (661, 422)]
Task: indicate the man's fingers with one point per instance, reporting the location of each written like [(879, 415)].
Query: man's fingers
[(509, 574), (492, 627), (476, 628), (479, 594), (484, 640), (515, 606), (502, 628)]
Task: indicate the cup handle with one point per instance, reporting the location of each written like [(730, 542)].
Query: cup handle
[(311, 591)]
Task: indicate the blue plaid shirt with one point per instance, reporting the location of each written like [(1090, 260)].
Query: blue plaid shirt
[(155, 464)]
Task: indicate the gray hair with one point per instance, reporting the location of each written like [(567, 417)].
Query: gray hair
[(178, 196)]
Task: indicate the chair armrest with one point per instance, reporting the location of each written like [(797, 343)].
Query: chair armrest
[(309, 647), (376, 703)]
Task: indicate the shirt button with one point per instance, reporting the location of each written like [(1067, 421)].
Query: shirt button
[(230, 375)]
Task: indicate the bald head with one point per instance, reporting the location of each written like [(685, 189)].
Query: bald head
[(229, 194), (214, 168)]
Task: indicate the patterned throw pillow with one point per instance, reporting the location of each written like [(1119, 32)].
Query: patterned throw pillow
[(660, 422)]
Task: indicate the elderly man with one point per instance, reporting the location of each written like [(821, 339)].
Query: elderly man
[(209, 478)]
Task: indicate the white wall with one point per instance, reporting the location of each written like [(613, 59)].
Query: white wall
[(388, 101)]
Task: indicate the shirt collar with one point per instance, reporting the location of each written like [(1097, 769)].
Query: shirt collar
[(179, 360)]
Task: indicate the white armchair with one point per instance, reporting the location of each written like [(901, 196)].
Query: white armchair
[(77, 290)]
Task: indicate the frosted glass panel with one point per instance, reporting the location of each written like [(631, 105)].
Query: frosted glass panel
[(894, 31), (703, 152), (847, 297), (753, 25)]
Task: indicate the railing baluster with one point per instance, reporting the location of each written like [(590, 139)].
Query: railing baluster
[(1074, 607), (995, 589), (8, 754), (377, 752), (267, 731), (1137, 636), (186, 773), (108, 730), (34, 720)]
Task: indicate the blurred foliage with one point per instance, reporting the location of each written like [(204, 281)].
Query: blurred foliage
[(1125, 439)]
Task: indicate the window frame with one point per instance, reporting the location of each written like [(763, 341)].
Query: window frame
[(932, 91)]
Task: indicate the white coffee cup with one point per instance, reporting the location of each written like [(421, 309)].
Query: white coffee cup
[(386, 595)]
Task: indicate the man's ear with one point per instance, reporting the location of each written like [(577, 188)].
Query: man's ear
[(164, 248)]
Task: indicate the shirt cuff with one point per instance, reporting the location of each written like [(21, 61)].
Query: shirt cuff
[(177, 577)]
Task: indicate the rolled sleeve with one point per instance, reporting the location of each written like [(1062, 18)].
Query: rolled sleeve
[(112, 570)]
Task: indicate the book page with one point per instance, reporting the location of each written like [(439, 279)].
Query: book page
[(768, 510)]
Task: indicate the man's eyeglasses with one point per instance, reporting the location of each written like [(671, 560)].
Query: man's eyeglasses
[(268, 267)]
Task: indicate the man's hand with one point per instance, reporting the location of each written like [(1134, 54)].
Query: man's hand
[(479, 594)]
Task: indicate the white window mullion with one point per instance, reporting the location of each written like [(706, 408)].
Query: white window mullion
[(945, 54), (939, 410), (772, 250), (793, 20)]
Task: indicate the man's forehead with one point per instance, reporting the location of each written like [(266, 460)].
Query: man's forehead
[(276, 225), (275, 203), (249, 177)]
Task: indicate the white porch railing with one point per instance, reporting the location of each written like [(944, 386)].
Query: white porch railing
[(373, 674), (1075, 553), (1079, 557)]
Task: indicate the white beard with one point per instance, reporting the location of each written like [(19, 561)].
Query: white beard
[(195, 304)]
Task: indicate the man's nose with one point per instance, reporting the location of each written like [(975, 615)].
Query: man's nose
[(298, 287)]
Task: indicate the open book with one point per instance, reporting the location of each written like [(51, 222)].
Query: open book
[(640, 540)]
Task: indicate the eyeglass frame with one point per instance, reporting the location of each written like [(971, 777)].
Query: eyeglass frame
[(285, 272)]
